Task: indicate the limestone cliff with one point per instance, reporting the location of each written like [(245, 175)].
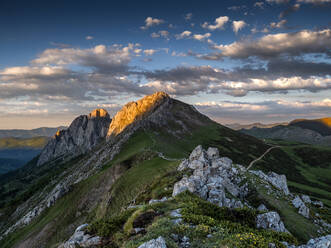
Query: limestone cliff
[(134, 111), (83, 134)]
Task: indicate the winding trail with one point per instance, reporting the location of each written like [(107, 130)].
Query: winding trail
[(259, 158)]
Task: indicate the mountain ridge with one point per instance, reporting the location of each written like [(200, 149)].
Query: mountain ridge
[(46, 203)]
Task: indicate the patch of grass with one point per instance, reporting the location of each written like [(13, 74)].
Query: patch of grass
[(212, 227), (136, 180), (298, 225), (105, 228)]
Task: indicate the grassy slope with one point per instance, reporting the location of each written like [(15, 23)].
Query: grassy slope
[(307, 168)]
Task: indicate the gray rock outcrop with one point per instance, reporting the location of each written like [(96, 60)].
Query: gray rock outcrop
[(320, 242), (302, 208), (212, 178), (262, 207), (306, 199), (83, 134), (81, 239), (154, 243), (278, 181), (270, 220)]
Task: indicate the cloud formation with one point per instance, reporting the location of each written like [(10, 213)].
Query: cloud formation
[(184, 34), (237, 25), (272, 45), (201, 37), (279, 24), (188, 16), (314, 1), (272, 110), (162, 33), (278, 1), (150, 21), (239, 81), (219, 23)]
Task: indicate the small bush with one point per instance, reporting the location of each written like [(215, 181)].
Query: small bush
[(105, 228)]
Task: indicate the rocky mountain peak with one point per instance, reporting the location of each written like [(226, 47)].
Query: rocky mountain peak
[(99, 113), (134, 111), (85, 132)]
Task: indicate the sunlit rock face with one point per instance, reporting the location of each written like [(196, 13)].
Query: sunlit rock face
[(99, 113), (83, 134), (134, 111)]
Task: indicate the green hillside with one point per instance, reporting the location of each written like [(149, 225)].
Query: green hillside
[(145, 168), (322, 126)]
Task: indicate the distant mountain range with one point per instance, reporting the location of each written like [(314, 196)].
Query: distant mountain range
[(17, 147), (317, 131), (21, 133), (238, 126)]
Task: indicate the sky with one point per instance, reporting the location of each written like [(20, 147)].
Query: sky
[(235, 61)]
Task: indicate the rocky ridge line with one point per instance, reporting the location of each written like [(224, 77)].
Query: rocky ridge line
[(83, 134)]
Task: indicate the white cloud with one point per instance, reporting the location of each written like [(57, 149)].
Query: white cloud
[(237, 25), (305, 41), (234, 106), (150, 21), (264, 111), (314, 1), (277, 1), (89, 37), (219, 23), (149, 52), (239, 82), (183, 34), (259, 4), (279, 24), (178, 54), (161, 33), (201, 37), (188, 16)]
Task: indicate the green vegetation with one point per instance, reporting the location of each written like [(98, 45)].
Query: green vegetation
[(307, 168), (206, 225), (145, 168), (35, 142)]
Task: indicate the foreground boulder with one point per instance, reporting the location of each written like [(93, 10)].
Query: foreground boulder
[(212, 177), (270, 220), (298, 203), (81, 239), (278, 181), (321, 242), (154, 243)]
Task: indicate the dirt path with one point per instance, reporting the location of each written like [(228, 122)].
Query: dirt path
[(259, 158)]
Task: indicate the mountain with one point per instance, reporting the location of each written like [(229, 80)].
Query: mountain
[(83, 134), (16, 152), (238, 126), (38, 132), (316, 132), (145, 155), (321, 126)]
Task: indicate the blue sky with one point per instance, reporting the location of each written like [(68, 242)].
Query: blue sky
[(236, 61)]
